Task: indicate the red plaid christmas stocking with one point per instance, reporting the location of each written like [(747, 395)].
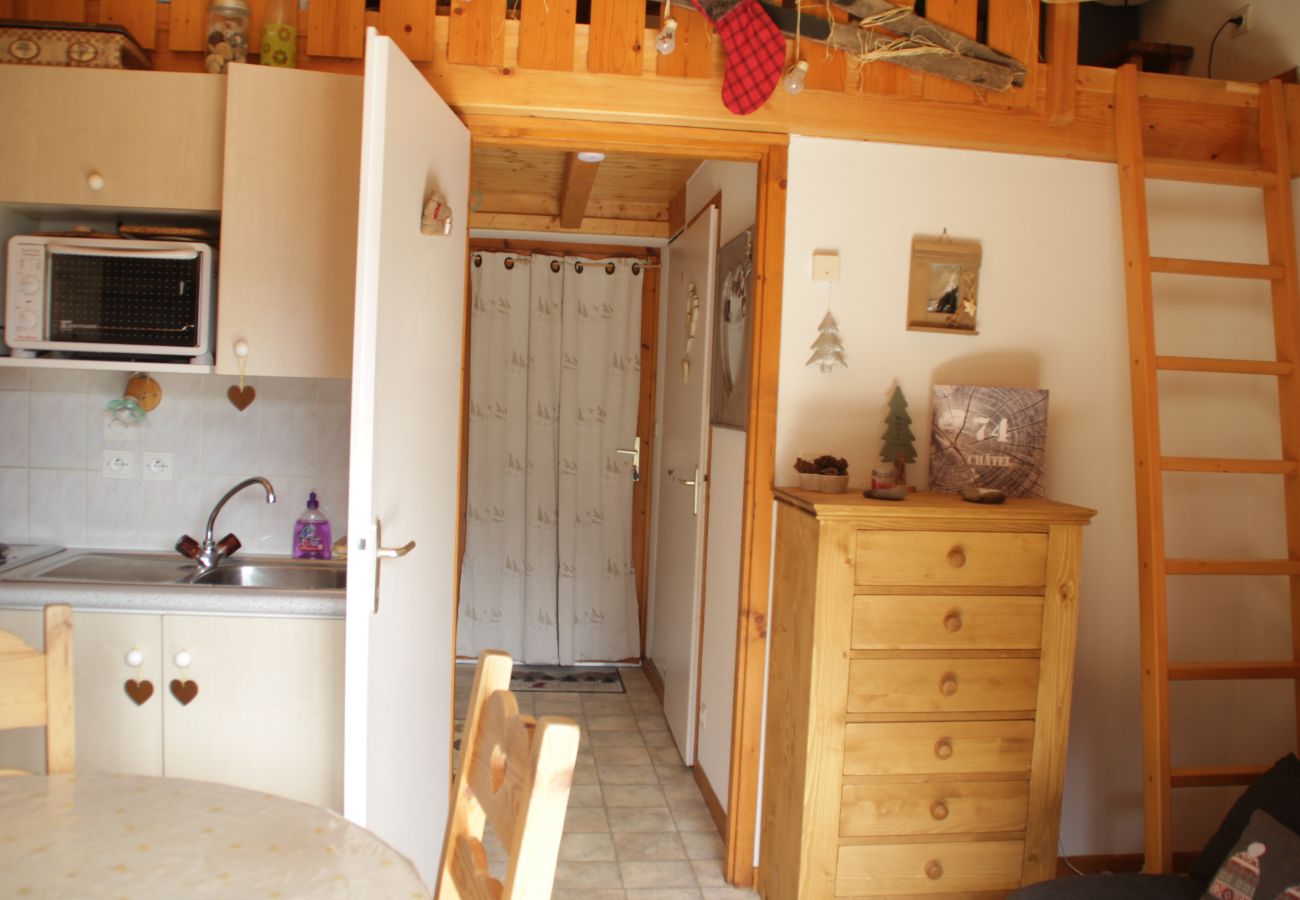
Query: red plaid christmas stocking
[(755, 51)]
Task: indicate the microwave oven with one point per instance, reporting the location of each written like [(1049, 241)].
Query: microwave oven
[(109, 297)]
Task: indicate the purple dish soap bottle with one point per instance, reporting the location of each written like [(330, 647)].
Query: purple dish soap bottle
[(311, 533)]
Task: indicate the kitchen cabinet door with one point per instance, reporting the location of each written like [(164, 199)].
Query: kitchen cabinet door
[(406, 395), (268, 714), (24, 748), (114, 733), (289, 222), (106, 138)]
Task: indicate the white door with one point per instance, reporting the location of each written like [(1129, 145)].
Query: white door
[(406, 393), (683, 455)]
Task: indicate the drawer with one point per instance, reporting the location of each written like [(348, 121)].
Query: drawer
[(937, 808), (928, 868), (938, 748), (942, 685), (892, 622), (951, 558)]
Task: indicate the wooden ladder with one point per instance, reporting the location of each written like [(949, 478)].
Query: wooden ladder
[(1273, 176)]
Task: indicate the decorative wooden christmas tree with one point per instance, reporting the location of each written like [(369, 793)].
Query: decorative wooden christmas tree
[(828, 349), (898, 447)]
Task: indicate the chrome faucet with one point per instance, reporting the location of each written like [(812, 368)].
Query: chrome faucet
[(211, 552)]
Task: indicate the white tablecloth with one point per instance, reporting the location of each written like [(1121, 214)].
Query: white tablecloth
[(123, 836)]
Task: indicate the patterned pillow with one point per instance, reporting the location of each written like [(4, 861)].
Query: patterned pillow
[(1264, 865)]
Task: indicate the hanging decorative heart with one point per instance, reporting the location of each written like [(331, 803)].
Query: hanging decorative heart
[(243, 397), (184, 691), (138, 691)]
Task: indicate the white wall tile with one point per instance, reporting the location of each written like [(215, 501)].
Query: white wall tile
[(230, 437), (13, 505), (13, 427), (13, 378), (56, 506), (112, 512), (56, 380), (58, 430), (169, 509)]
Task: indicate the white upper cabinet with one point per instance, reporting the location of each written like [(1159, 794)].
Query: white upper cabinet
[(106, 138)]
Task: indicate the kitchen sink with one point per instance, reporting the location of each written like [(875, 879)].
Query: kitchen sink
[(106, 567)]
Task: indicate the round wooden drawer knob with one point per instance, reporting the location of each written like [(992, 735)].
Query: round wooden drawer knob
[(956, 557), (943, 748), (948, 686), (934, 870), (952, 621), (95, 181), (938, 810)]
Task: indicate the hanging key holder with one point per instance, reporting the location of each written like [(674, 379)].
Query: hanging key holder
[(243, 395)]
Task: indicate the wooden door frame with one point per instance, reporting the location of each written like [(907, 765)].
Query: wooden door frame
[(770, 153)]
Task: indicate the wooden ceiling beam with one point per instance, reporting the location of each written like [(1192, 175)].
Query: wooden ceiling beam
[(590, 225), (575, 193)]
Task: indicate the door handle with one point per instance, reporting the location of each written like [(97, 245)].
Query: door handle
[(382, 552), (635, 453), (693, 484)]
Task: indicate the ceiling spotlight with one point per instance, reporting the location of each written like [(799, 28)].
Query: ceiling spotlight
[(590, 156)]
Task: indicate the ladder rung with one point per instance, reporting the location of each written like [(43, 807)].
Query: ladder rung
[(1215, 776), (1208, 173), (1228, 466), (1233, 671), (1229, 366), (1215, 268), (1232, 567)]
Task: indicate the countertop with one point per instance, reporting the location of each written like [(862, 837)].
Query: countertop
[(191, 599)]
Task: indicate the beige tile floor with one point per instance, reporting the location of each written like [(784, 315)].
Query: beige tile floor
[(637, 827)]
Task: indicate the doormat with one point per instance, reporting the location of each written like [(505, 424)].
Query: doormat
[(566, 678)]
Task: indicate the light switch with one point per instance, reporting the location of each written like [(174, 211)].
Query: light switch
[(826, 266)]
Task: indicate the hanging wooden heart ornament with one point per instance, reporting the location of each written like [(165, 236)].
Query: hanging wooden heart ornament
[(242, 395), (184, 691), (138, 691)]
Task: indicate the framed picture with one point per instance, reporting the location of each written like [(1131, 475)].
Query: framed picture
[(733, 329), (943, 292), (990, 437)]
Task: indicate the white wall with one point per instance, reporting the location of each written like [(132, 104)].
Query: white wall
[(1271, 47), (51, 450), (1053, 316)]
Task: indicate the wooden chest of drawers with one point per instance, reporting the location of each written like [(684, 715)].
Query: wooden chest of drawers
[(922, 658)]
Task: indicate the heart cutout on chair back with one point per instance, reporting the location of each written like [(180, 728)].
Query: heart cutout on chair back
[(138, 691), (184, 691)]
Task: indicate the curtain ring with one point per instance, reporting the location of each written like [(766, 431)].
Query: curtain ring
[(577, 267), (510, 262), (636, 268), (478, 260), (610, 268), (555, 265)]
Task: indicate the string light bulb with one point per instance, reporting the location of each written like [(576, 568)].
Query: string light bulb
[(666, 39), (794, 76)]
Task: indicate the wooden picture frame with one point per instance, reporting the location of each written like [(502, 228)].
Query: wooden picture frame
[(733, 332), (943, 291)]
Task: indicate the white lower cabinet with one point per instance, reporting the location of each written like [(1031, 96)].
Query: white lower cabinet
[(267, 715)]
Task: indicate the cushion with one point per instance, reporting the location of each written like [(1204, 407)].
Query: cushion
[(1276, 792), (1263, 864), (1112, 887)]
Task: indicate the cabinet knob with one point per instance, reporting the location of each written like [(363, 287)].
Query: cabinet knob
[(943, 748), (938, 810), (95, 181), (952, 621), (182, 659), (934, 870), (956, 557), (134, 658), (948, 685)]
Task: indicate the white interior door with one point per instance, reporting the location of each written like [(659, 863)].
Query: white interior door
[(683, 454), (406, 395)]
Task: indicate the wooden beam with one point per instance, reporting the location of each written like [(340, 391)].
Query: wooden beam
[(614, 227), (1062, 62), (575, 193)]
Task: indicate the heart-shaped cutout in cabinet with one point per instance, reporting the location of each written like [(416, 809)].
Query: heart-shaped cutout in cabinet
[(242, 398), (138, 691), (184, 691)]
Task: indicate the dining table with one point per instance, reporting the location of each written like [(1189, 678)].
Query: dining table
[(141, 837)]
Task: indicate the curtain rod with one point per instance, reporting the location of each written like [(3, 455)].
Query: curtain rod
[(522, 259)]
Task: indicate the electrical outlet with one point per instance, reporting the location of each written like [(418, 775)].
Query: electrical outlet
[(155, 466), (1244, 27), (117, 430), (118, 464)]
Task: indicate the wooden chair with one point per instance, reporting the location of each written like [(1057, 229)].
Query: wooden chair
[(514, 775), (36, 689)]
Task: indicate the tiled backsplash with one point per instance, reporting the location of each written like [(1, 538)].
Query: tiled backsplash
[(51, 458)]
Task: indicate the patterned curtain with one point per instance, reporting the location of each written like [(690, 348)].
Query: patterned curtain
[(554, 382)]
